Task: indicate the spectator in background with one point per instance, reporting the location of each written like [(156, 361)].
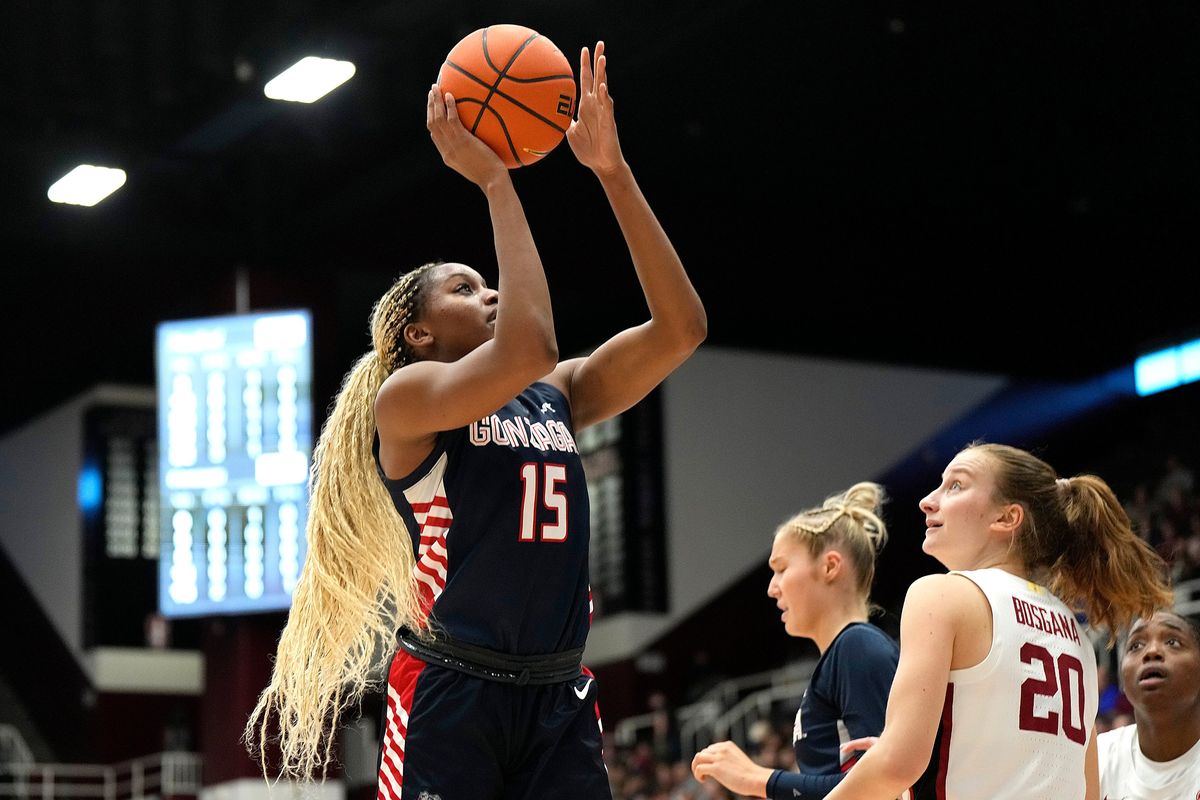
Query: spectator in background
[(1176, 508), (1176, 477), (1113, 703), (663, 730), (1168, 544), (1158, 757), (1141, 512), (1190, 552)]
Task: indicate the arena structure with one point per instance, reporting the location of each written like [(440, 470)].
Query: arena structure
[(910, 230)]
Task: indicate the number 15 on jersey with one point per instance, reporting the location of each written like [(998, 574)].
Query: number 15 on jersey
[(540, 486)]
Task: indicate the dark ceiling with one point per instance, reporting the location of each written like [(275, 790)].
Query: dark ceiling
[(1010, 188)]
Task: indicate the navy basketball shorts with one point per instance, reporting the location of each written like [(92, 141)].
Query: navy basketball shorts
[(451, 736)]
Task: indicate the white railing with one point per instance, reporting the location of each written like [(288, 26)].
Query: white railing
[(717, 703), (735, 723), (160, 775), (13, 749), (700, 721), (1187, 597), (627, 730)]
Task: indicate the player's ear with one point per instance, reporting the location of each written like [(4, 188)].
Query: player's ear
[(417, 336), (831, 563), (1009, 518)]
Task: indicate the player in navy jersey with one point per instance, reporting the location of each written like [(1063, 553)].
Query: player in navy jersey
[(823, 564), (997, 680), (449, 506)]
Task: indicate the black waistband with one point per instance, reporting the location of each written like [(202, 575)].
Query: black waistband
[(481, 662)]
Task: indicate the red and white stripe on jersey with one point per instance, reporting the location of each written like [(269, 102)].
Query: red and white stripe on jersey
[(427, 497), (849, 759), (943, 755), (402, 683), (599, 722)]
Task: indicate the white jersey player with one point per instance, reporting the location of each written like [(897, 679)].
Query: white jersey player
[(1025, 713), (1158, 757), (996, 682)]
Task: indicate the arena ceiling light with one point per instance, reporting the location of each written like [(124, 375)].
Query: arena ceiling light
[(309, 79), (86, 185)]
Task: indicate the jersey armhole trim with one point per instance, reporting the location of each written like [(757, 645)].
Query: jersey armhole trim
[(987, 666), (421, 470)]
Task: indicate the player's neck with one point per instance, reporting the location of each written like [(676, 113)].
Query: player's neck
[(1163, 737), (1005, 560), (836, 617)]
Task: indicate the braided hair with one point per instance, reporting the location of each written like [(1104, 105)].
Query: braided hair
[(399, 306), (357, 585), (849, 521)]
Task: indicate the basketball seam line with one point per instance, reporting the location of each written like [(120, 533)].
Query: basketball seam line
[(506, 96), (500, 73)]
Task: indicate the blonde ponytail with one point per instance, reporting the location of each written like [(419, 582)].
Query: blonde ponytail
[(357, 586)]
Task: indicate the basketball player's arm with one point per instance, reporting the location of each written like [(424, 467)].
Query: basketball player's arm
[(928, 625), (862, 689), (627, 367), (863, 669), (426, 397), (863, 672), (728, 765)]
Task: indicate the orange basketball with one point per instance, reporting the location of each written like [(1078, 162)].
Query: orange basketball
[(514, 90)]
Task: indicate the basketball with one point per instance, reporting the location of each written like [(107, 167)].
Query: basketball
[(514, 90)]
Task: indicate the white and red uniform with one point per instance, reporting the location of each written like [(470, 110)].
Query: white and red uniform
[(1126, 774), (1017, 724)]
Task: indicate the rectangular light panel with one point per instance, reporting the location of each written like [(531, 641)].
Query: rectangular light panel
[(309, 79), (86, 185)]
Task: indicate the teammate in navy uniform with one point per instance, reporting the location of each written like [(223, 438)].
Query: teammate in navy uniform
[(449, 503), (997, 680), (823, 564)]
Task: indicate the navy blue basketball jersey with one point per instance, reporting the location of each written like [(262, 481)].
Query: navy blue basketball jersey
[(499, 517), (846, 699)]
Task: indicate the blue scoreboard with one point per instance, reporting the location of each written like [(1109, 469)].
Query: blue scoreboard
[(235, 443)]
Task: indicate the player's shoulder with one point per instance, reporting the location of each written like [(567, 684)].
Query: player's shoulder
[(1111, 741), (865, 636), (561, 376), (1114, 754), (945, 600), (941, 587)]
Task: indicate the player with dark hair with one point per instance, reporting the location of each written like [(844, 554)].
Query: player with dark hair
[(449, 502), (1158, 757), (823, 564), (997, 680)]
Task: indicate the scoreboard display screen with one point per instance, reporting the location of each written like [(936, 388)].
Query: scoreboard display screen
[(235, 443), (623, 461)]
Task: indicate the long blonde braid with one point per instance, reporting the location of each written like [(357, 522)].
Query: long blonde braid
[(357, 583)]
